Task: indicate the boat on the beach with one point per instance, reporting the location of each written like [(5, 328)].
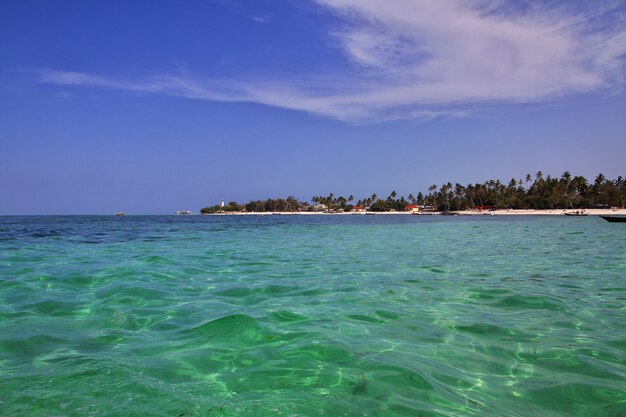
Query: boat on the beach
[(615, 218)]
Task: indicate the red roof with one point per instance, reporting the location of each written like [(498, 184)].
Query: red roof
[(411, 207)]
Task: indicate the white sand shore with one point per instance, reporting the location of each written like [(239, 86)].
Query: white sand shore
[(509, 212), (559, 212)]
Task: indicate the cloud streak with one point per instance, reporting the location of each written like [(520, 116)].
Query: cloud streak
[(423, 58)]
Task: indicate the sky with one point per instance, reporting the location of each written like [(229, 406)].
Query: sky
[(153, 106)]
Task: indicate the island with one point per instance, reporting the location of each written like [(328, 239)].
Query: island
[(571, 195)]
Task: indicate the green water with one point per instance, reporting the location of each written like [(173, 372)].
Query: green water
[(312, 316)]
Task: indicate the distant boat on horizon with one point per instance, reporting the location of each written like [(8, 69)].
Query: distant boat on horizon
[(183, 212), (119, 213)]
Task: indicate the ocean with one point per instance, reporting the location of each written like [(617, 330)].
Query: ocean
[(384, 315)]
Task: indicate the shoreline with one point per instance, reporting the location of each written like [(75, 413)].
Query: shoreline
[(505, 212), (550, 212)]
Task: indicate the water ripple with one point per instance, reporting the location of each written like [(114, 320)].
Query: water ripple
[(311, 316)]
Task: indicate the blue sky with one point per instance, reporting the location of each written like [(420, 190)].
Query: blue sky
[(149, 106)]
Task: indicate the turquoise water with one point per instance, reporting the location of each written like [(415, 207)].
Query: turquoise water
[(312, 316)]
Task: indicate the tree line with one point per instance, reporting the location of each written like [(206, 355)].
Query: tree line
[(530, 192)]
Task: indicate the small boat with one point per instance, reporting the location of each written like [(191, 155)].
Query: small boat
[(615, 219), (576, 213), (183, 212), (121, 213)]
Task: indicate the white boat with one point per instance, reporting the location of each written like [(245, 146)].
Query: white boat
[(183, 212)]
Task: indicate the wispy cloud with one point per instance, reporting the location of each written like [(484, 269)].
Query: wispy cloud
[(423, 58)]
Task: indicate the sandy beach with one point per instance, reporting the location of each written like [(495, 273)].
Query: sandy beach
[(555, 212), (507, 212)]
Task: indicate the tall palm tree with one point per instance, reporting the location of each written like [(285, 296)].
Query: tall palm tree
[(459, 194), (445, 193), (539, 176), (431, 194)]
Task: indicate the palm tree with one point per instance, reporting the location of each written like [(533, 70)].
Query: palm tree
[(459, 192), (431, 194), (330, 201), (445, 192), (599, 180), (341, 201)]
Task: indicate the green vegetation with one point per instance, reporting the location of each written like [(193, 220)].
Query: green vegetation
[(289, 204), (566, 192)]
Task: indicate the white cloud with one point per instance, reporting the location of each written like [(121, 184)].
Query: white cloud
[(423, 58)]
